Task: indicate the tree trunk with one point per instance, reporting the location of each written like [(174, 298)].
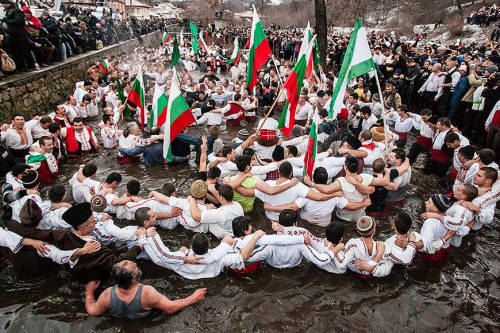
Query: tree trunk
[(321, 29), (459, 7)]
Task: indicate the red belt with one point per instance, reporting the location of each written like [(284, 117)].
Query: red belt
[(402, 135), (439, 156), (424, 141)]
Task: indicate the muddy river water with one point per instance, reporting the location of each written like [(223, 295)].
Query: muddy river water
[(460, 295)]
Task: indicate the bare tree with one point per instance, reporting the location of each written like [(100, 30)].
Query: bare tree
[(321, 28)]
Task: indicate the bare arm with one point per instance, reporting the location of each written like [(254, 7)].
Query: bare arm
[(358, 205), (195, 210), (280, 208), (155, 300), (331, 188), (313, 195), (214, 163), (246, 252), (271, 190), (363, 189), (203, 155), (103, 303), (403, 167)]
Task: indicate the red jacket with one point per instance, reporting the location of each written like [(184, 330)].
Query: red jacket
[(73, 147)]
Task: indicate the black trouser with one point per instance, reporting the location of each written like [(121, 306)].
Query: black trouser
[(493, 141), (444, 103), (415, 150), (428, 101), (437, 168)]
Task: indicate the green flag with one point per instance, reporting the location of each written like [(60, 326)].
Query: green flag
[(121, 94), (194, 36), (176, 55)]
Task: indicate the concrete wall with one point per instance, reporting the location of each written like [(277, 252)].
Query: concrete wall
[(39, 92)]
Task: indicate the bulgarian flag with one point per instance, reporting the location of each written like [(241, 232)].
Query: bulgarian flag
[(104, 66), (165, 38), (159, 109), (119, 89), (357, 61), (178, 117), (306, 50), (235, 56), (201, 42), (176, 54), (194, 35), (259, 51), (293, 86), (312, 147), (136, 96)]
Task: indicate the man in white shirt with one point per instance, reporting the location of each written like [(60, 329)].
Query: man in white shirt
[(431, 90), (17, 136)]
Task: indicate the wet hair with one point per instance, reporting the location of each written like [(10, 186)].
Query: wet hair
[(365, 109), (106, 118), (490, 173), (378, 165), (445, 121), (56, 193), (168, 189), (278, 153), (288, 217), (86, 98), (18, 169), (213, 173), (320, 176), (365, 135), (451, 137), (285, 169), (18, 115), (123, 277), (237, 97), (351, 163), (403, 108), (226, 192), (54, 127), (248, 152), (45, 120), (399, 154), (226, 150), (403, 222), (334, 232), (155, 130), (42, 140), (343, 123), (426, 112), (202, 175), (89, 169), (293, 150), (354, 95), (470, 191), (240, 225), (200, 244), (487, 156), (323, 113), (77, 120), (141, 215), (133, 187), (242, 162), (114, 177)]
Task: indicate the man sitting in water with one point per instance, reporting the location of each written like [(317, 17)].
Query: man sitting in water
[(131, 299)]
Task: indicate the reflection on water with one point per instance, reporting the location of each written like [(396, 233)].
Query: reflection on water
[(459, 295)]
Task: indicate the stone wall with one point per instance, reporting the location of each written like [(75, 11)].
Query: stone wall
[(39, 92)]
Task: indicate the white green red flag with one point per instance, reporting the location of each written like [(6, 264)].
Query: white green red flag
[(194, 36), (165, 38), (259, 51), (104, 66), (357, 61), (235, 56), (312, 148), (306, 50), (159, 108), (201, 42), (136, 96), (179, 116), (293, 86)]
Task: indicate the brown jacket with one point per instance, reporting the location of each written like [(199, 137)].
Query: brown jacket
[(475, 81), (95, 266)]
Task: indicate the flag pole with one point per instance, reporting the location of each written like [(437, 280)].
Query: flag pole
[(386, 130), (277, 71)]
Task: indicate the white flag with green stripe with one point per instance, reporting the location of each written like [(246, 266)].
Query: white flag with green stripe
[(357, 61)]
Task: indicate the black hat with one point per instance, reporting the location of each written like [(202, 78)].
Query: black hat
[(353, 142), (77, 214), (30, 178), (30, 214), (441, 202), (467, 152)]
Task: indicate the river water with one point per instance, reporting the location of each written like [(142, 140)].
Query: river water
[(460, 295)]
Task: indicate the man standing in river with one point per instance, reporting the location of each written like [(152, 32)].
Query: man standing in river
[(131, 299)]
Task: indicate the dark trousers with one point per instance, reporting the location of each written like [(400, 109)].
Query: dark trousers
[(415, 150), (437, 168), (493, 141)]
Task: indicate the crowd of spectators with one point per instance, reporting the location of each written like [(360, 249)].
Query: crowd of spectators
[(484, 16), (34, 42)]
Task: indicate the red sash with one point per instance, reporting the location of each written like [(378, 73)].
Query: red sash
[(267, 135), (439, 155), (402, 135), (496, 119), (439, 256), (424, 142)]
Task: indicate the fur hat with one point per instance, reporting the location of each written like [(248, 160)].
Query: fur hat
[(353, 142), (30, 214), (198, 189), (77, 214), (218, 145), (98, 203), (467, 152), (378, 134), (365, 225), (441, 202), (491, 69), (30, 178)]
